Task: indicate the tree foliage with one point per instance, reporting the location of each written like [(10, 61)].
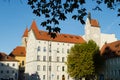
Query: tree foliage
[(57, 10), (82, 60)]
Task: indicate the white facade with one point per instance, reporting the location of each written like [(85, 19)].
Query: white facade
[(107, 38), (94, 33), (48, 61), (8, 70)]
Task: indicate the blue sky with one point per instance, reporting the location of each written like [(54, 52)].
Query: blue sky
[(15, 16)]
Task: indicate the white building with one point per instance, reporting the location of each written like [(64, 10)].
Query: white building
[(93, 32), (8, 67), (46, 56)]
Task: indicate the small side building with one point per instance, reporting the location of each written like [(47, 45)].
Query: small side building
[(19, 54), (8, 67), (111, 54)]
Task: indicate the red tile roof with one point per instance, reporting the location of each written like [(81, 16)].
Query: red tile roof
[(94, 23), (109, 48), (42, 35), (25, 33), (5, 57), (18, 51)]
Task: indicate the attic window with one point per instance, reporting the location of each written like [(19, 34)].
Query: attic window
[(117, 45), (71, 36), (65, 36), (77, 37), (21, 53)]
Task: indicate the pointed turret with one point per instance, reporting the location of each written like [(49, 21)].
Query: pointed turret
[(25, 33), (35, 29), (24, 38)]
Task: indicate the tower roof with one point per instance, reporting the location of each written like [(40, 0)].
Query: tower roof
[(25, 33), (93, 22)]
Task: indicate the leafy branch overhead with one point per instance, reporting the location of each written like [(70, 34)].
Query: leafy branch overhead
[(57, 10)]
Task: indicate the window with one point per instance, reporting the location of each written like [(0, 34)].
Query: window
[(22, 63), (49, 68), (62, 50), (58, 50), (13, 64), (7, 64), (1, 64), (38, 58), (43, 77), (63, 68), (38, 67), (1, 71), (7, 71), (38, 49), (67, 50), (50, 58), (44, 58), (58, 68), (63, 59), (44, 49), (57, 77), (58, 59), (44, 68), (13, 71)]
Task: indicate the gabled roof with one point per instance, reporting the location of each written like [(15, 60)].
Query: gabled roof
[(113, 48), (5, 57), (25, 33), (18, 51), (94, 23), (43, 35)]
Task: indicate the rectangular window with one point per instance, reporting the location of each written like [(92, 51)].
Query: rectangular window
[(58, 50), (63, 68), (57, 77), (1, 71), (44, 58), (7, 64), (7, 71), (67, 50), (62, 50), (13, 64), (44, 68), (38, 67), (38, 49), (49, 68), (44, 49), (50, 58), (63, 59), (58, 59), (38, 58), (58, 68), (2, 64), (22, 63), (43, 77)]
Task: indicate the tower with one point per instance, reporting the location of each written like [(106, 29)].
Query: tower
[(92, 30), (24, 38)]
